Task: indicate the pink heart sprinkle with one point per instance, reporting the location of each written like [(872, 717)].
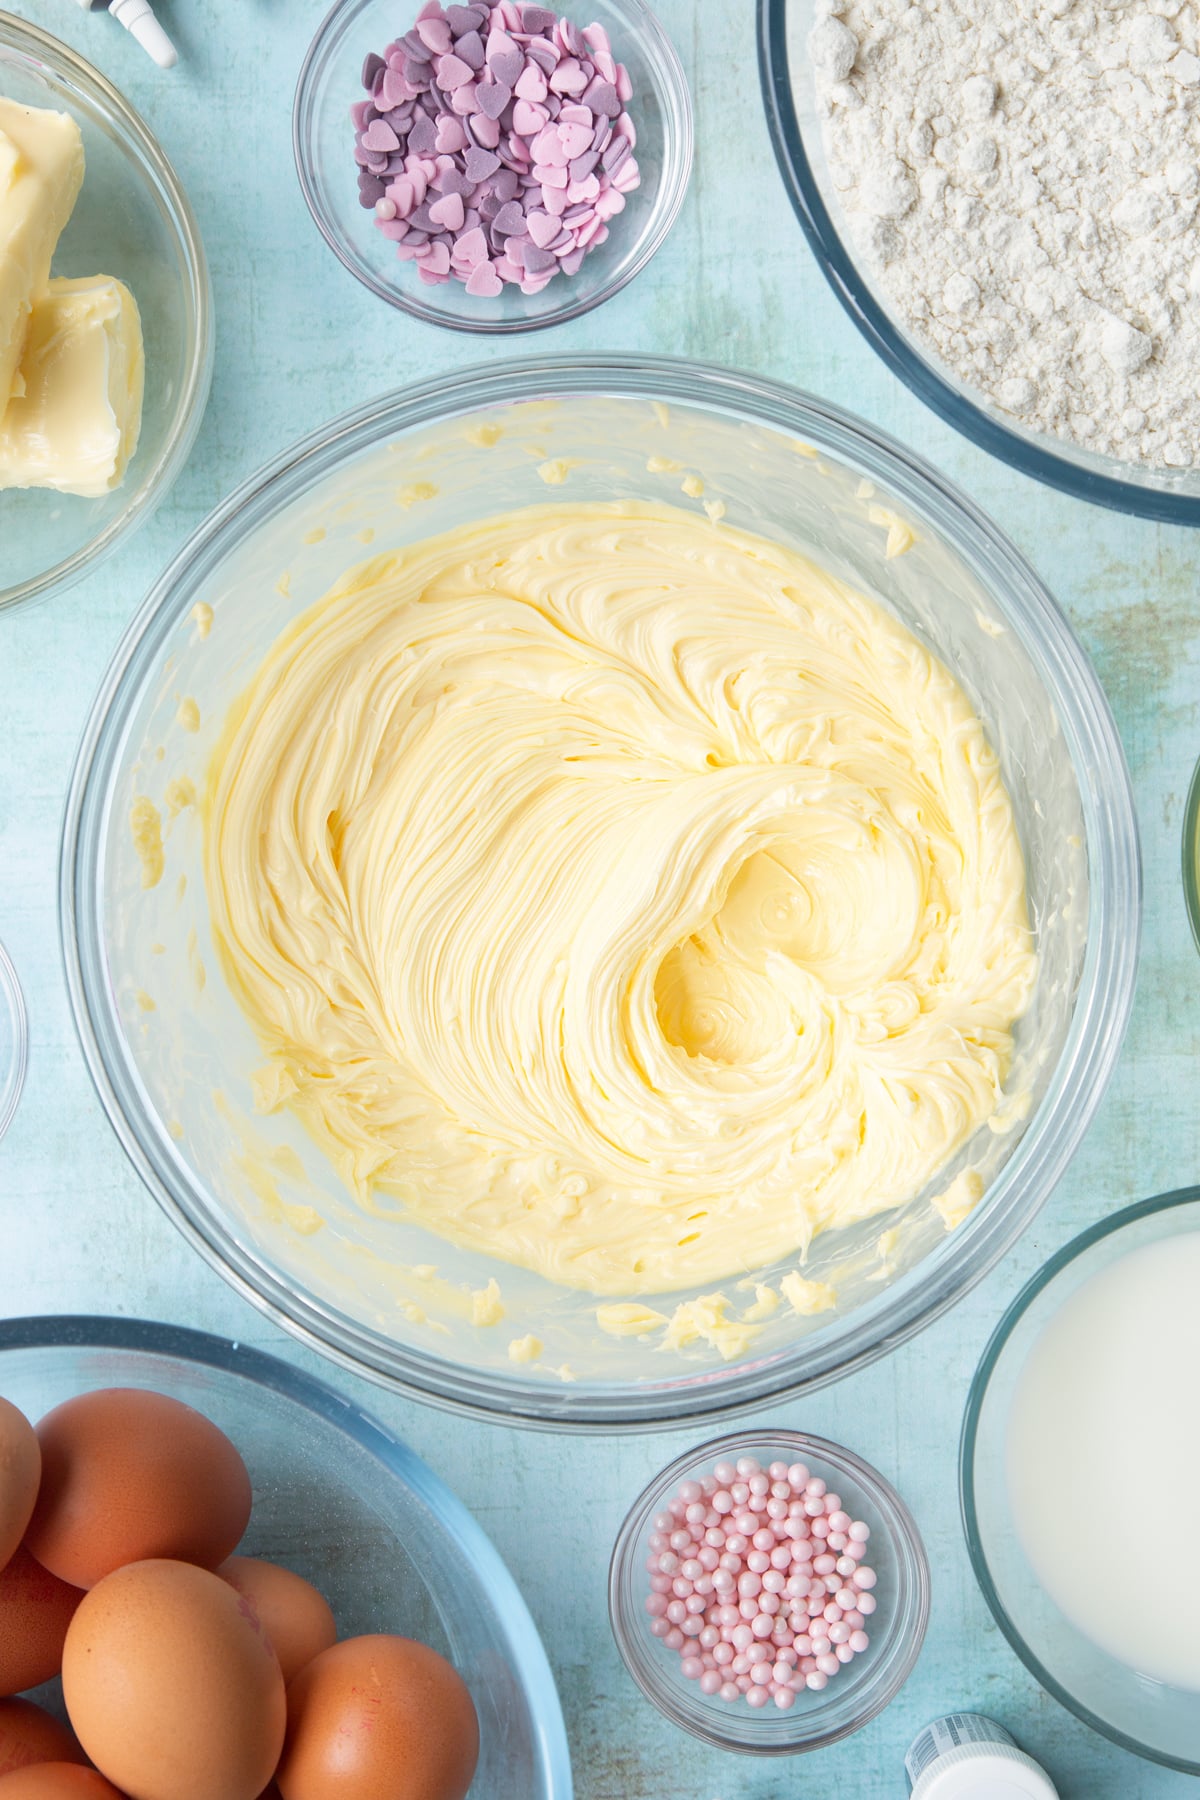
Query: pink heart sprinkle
[(575, 139), (569, 77), (453, 72), (483, 282), (486, 131), (528, 119), (551, 177), (380, 138), (554, 200), (471, 248), (531, 85), (582, 193), (463, 100), (402, 193), (543, 229), (451, 135), (395, 91), (436, 257), (435, 35), (449, 211)]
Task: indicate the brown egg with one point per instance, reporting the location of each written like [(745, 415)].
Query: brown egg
[(29, 1735), (172, 1687), (294, 1616), (379, 1718), (35, 1610), (57, 1781), (128, 1476), (20, 1472)]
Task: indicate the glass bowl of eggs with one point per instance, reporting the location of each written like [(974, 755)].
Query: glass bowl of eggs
[(332, 1497)]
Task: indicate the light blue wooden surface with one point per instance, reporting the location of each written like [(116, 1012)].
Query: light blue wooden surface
[(298, 340)]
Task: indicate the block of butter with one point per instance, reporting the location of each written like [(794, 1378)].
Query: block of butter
[(41, 173), (76, 424)]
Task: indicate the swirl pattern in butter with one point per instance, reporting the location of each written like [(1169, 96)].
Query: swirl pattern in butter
[(619, 896)]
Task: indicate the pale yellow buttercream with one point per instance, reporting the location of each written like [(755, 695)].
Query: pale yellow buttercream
[(629, 899)]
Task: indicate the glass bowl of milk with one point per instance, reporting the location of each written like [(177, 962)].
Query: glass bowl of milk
[(1080, 1472)]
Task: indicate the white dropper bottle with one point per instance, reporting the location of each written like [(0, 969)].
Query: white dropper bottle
[(966, 1756), (137, 16)]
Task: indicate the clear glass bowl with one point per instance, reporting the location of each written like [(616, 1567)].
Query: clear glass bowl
[(789, 92), (132, 220), (343, 1502), (14, 1041), (1191, 855), (323, 140), (864, 1687), (175, 1081), (1143, 1715)]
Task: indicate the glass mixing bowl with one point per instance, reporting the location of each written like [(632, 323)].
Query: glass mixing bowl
[(858, 1693), (324, 143), (341, 1501), (1191, 855), (248, 1190), (1144, 1715), (132, 220), (14, 1041), (789, 92)]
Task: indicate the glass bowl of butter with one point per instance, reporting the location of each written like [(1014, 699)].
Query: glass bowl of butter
[(105, 336), (654, 933)]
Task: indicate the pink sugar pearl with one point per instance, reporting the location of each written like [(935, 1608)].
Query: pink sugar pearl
[(756, 1580)]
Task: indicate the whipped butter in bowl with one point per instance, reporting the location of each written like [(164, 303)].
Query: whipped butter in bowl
[(598, 909)]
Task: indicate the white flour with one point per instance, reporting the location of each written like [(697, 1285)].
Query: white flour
[(1023, 180)]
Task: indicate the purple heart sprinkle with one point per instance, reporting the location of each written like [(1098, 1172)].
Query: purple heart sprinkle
[(422, 139), (480, 163), (373, 66), (488, 206), (469, 48), (537, 260), (506, 66), (510, 220), (574, 39), (370, 189), (506, 184), (417, 50), (492, 97), (452, 181)]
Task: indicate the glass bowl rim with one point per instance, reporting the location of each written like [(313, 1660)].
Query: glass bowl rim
[(858, 299), (27, 38), (13, 1002), (1104, 996), (80, 1331), (977, 1394), (1191, 854), (832, 1455), (680, 124)]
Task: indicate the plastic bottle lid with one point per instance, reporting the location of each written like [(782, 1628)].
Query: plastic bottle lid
[(979, 1774), (966, 1756)]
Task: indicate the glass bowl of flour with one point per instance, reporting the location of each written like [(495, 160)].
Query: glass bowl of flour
[(534, 1324), (1005, 205)]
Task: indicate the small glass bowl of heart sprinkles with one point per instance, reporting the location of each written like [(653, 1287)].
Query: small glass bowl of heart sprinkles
[(493, 165), (769, 1592)]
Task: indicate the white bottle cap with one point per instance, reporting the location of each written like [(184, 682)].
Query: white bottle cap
[(137, 16), (996, 1773), (966, 1756)]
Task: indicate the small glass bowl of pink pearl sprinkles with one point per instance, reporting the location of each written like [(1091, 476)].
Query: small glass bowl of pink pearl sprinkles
[(769, 1592), (493, 224)]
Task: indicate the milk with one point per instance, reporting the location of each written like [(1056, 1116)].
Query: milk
[(1104, 1459)]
